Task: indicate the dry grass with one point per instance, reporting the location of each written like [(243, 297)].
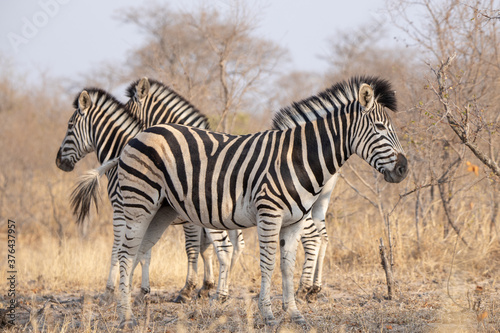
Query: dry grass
[(59, 283)]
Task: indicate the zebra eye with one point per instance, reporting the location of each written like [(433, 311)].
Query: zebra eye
[(379, 126)]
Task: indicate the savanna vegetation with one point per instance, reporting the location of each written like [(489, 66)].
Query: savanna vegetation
[(439, 227)]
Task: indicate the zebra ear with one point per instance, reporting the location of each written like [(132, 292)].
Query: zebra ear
[(84, 102), (142, 88), (366, 97)]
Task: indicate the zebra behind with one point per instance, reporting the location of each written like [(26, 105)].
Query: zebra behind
[(154, 103), (269, 179), (102, 124)]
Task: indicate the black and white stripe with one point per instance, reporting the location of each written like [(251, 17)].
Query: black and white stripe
[(154, 103), (102, 124), (270, 179)]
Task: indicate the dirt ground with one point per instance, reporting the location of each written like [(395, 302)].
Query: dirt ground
[(344, 305)]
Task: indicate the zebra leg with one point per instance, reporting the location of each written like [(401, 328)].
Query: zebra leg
[(144, 260), (145, 286), (311, 243), (289, 239), (118, 228), (236, 237), (268, 234), (143, 231), (127, 257), (312, 294), (224, 250), (207, 253), (319, 214), (192, 235)]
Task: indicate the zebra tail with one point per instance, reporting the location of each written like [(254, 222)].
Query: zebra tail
[(86, 190)]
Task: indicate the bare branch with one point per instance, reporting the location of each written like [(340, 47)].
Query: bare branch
[(359, 192), (460, 128)]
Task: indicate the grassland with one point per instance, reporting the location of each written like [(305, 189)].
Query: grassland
[(442, 284)]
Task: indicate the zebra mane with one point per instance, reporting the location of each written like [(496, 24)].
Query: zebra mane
[(102, 97), (158, 89), (321, 105)]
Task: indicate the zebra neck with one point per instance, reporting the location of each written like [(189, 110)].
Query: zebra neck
[(112, 133), (334, 133), (165, 106)]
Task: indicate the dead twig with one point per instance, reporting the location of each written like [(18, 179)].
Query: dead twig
[(386, 265), (358, 191), (420, 187), (449, 277), (147, 301)]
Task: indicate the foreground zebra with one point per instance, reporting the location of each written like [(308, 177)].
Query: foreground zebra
[(102, 124), (269, 179)]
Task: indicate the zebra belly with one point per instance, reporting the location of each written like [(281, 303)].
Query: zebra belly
[(226, 216), (229, 216)]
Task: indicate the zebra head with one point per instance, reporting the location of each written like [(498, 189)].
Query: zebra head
[(375, 139), (77, 143)]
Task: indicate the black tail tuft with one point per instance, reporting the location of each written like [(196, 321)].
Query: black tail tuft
[(85, 192)]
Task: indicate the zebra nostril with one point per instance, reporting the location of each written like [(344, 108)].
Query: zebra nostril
[(402, 166), (401, 170)]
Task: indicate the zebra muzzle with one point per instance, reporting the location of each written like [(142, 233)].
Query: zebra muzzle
[(64, 164), (399, 172)]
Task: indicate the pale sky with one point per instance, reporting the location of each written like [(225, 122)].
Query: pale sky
[(68, 37)]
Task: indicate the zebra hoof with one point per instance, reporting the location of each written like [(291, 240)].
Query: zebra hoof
[(220, 298), (182, 299), (142, 296), (204, 292), (299, 320), (270, 321), (301, 293), (109, 295), (127, 325), (312, 295), (185, 293)]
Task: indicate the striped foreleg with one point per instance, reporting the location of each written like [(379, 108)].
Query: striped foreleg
[(236, 237), (319, 211), (311, 243), (268, 227), (207, 253), (193, 234), (223, 247), (224, 250), (289, 239)]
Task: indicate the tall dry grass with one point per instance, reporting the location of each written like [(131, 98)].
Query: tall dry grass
[(436, 287)]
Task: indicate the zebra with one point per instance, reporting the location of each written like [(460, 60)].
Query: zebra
[(314, 239), (149, 99), (106, 130), (269, 179)]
